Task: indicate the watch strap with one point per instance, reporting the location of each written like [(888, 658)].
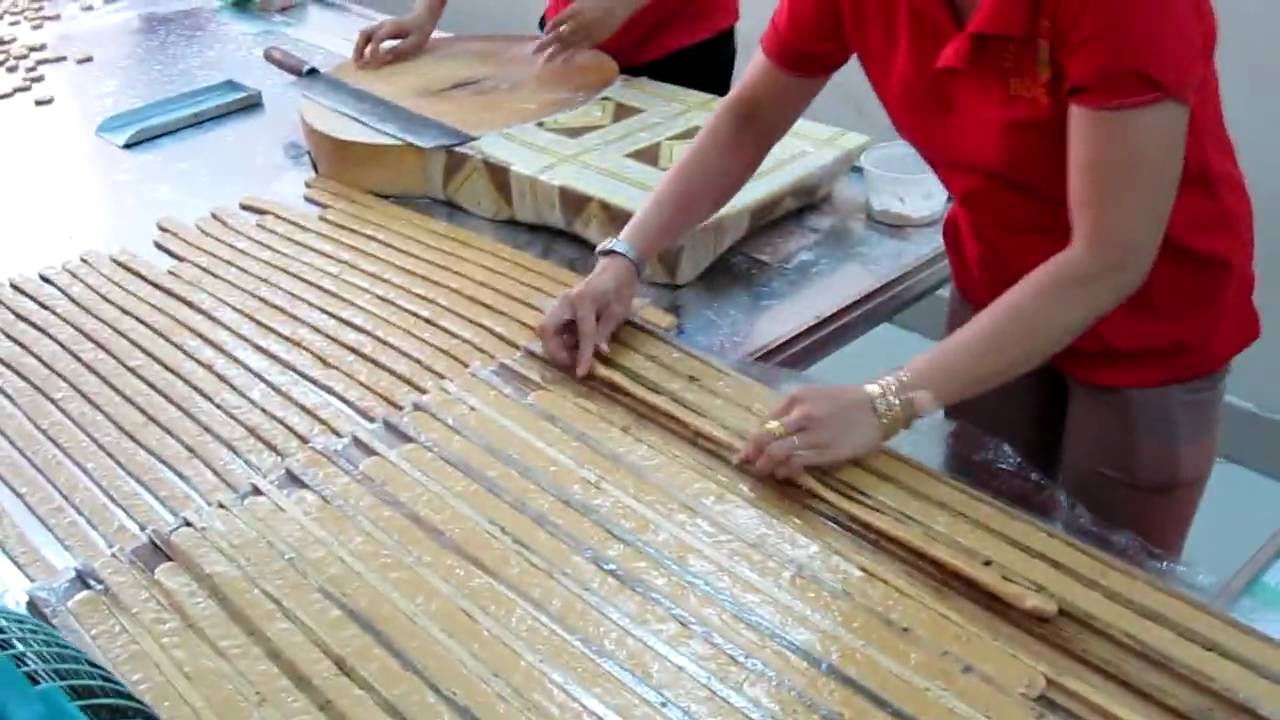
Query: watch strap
[(618, 246)]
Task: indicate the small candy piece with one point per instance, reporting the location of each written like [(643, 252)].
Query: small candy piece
[(83, 58), (8, 39), (33, 78), (19, 53), (36, 24), (13, 66), (31, 66), (51, 59), (5, 93), (36, 46), (44, 100), (22, 87)]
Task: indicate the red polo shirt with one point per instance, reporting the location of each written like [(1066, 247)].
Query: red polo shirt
[(661, 27), (986, 105)]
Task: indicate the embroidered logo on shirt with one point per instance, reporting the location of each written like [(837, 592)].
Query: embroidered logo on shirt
[(1032, 67)]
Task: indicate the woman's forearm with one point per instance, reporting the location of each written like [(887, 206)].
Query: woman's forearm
[(1023, 329), (726, 153), (1123, 174)]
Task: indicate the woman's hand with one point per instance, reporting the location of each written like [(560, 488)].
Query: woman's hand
[(585, 317), (817, 426), (584, 24), (411, 34)]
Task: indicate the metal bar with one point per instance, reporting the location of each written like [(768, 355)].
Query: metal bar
[(820, 340), (1253, 569)]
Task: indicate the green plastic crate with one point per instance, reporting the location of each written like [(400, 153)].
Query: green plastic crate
[(44, 677), (20, 701)]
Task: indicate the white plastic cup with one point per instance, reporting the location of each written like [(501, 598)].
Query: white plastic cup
[(902, 189)]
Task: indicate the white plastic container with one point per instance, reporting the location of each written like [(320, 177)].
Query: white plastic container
[(902, 190)]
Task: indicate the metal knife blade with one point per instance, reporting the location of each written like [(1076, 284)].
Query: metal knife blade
[(366, 108)]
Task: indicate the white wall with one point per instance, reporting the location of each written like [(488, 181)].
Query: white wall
[(1250, 78), (1250, 71)]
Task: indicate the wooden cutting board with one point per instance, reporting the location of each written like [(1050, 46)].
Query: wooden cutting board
[(479, 84)]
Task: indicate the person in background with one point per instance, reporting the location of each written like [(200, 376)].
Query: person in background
[(1101, 237), (689, 43)]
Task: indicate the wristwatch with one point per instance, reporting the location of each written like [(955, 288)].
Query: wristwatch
[(617, 246)]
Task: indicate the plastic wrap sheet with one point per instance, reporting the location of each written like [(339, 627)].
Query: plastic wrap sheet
[(14, 583), (522, 540), (995, 468), (649, 529)]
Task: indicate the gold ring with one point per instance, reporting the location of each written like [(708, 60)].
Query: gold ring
[(776, 429)]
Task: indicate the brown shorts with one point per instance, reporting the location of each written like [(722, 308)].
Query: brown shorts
[(1137, 459)]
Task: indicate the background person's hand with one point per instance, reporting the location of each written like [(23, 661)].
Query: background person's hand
[(584, 318), (584, 24), (410, 34), (823, 426)]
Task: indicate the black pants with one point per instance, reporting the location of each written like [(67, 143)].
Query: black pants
[(706, 65)]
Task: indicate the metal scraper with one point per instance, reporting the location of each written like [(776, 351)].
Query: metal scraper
[(364, 107)]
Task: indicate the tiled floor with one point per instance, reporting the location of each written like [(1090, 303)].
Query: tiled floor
[(1236, 516)]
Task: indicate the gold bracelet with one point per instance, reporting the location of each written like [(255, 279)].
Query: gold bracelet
[(892, 403), (906, 398), (882, 406)]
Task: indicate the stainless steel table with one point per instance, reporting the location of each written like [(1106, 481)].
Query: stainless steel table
[(790, 295), (828, 275)]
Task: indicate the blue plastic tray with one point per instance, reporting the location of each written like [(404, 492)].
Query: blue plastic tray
[(174, 113)]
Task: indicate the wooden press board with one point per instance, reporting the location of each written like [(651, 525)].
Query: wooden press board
[(563, 146)]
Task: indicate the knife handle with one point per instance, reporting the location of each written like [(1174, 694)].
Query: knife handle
[(288, 62)]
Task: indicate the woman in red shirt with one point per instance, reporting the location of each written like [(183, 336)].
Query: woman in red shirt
[(1100, 239), (681, 42)]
